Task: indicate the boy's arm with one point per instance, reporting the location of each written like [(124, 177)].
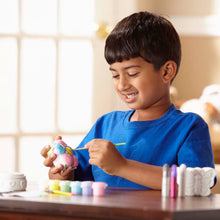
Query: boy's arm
[(141, 173), (104, 155)]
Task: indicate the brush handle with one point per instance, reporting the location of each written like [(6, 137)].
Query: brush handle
[(83, 148), (118, 144)]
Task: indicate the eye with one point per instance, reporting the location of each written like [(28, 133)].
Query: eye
[(133, 74), (115, 76)]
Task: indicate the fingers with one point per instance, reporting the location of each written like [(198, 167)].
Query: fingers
[(48, 162), (44, 151), (93, 151), (58, 173), (94, 145), (94, 161), (56, 169), (96, 149), (47, 147), (67, 171)]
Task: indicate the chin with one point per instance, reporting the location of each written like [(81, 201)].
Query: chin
[(132, 106)]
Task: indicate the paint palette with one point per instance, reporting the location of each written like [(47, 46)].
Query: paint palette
[(84, 188)]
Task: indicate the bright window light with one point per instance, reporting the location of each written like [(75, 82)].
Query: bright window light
[(39, 16), (8, 85), (8, 16), (37, 85), (46, 77), (78, 21), (75, 85), (31, 162), (7, 161)]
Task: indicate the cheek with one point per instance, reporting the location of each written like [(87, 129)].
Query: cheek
[(142, 86), (147, 90), (115, 84)]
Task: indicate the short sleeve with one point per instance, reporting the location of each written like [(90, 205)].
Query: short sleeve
[(196, 150)]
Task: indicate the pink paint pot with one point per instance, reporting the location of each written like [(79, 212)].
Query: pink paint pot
[(99, 188)]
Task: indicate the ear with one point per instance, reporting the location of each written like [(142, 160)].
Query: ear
[(168, 71)]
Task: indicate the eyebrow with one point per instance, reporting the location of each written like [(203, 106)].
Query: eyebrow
[(125, 68)]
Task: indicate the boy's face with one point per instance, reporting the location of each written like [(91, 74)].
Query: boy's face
[(138, 84)]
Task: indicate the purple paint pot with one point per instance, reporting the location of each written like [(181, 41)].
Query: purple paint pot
[(86, 188)]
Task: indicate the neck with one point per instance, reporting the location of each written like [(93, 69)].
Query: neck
[(151, 113)]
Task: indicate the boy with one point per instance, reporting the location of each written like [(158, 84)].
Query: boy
[(144, 53)]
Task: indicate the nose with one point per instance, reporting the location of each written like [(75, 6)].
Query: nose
[(123, 83)]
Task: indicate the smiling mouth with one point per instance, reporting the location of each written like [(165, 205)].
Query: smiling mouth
[(130, 97)]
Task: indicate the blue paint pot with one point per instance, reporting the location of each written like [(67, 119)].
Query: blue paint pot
[(76, 187)]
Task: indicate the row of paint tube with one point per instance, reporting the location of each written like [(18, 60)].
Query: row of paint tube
[(187, 181), (86, 188)]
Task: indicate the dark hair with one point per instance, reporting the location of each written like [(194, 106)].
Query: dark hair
[(145, 35)]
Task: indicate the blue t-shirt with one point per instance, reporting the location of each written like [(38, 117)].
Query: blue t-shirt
[(174, 138)]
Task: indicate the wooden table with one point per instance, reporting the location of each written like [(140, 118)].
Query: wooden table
[(116, 204)]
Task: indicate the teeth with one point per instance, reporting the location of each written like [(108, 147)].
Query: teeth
[(130, 96)]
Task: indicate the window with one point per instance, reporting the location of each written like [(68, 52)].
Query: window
[(46, 74)]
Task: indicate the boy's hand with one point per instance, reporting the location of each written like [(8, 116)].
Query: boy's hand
[(104, 155), (56, 172)]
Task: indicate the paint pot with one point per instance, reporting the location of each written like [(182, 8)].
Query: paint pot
[(12, 182), (54, 185), (65, 186), (86, 188), (99, 188), (76, 187)]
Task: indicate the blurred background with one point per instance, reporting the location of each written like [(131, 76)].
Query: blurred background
[(53, 76)]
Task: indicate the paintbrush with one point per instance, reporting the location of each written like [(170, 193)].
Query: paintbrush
[(83, 148), (60, 192)]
